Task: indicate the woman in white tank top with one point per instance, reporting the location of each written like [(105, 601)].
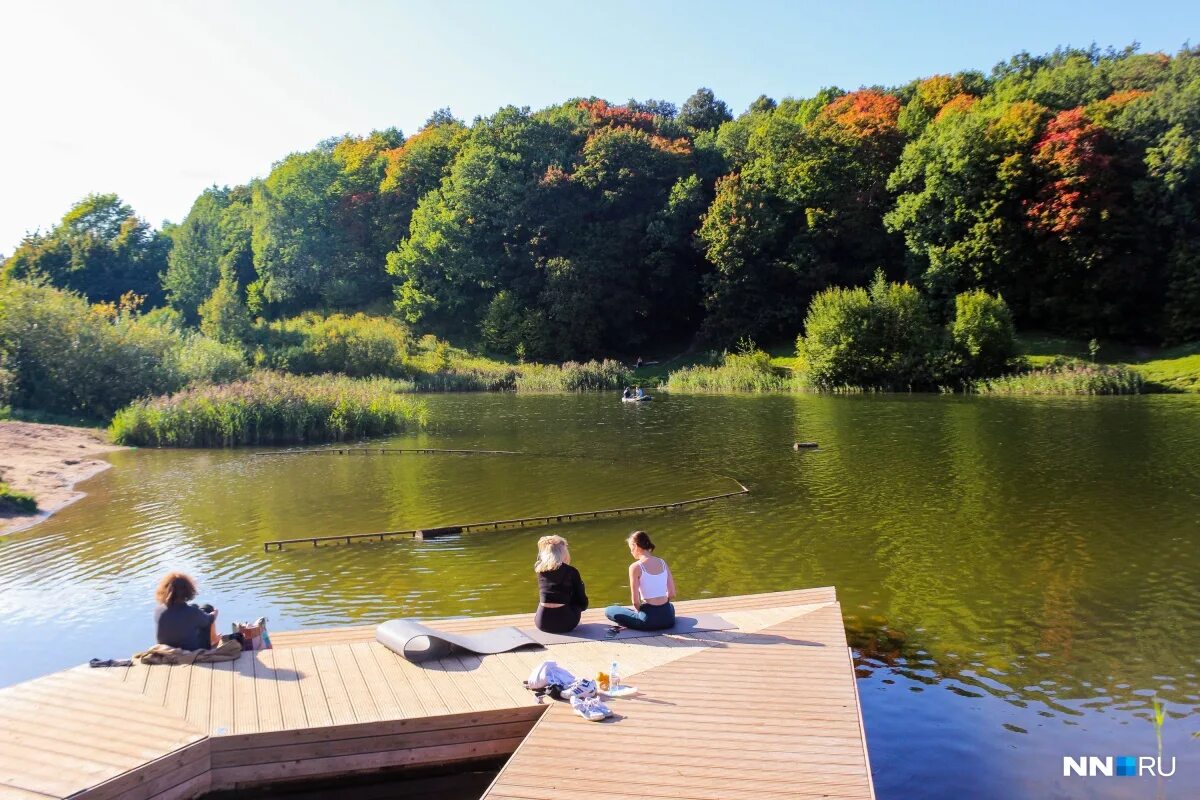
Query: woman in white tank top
[(651, 589)]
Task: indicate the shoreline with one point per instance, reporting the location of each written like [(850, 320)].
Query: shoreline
[(47, 461)]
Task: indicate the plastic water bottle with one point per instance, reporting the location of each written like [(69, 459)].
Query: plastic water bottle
[(614, 678)]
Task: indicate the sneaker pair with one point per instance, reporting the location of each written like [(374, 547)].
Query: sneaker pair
[(590, 708)]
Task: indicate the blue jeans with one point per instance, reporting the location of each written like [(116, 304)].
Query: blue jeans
[(646, 618)]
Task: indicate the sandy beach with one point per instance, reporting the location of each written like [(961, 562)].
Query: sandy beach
[(47, 461)]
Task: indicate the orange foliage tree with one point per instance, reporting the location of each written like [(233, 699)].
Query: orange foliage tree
[(1072, 158)]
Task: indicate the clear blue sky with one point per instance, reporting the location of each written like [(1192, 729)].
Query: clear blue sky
[(157, 100)]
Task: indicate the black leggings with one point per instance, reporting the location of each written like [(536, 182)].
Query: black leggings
[(556, 620)]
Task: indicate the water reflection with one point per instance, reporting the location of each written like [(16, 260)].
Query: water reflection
[(1019, 576)]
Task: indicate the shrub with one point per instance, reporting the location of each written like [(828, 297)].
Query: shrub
[(882, 338), (13, 501), (982, 334), (438, 367), (8, 383), (270, 408), (885, 338), (501, 324), (1066, 377), (508, 327), (358, 345), (67, 357), (223, 316), (203, 360), (72, 358)]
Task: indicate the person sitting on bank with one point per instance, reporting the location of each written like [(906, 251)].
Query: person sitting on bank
[(180, 622), (650, 579), (561, 595)]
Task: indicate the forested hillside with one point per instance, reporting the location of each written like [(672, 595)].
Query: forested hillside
[(1066, 183)]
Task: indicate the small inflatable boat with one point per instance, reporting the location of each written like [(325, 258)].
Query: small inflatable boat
[(643, 399)]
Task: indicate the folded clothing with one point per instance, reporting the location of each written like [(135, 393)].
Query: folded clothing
[(227, 650), (110, 662)]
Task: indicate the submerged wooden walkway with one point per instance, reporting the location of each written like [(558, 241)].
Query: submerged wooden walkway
[(767, 710), (434, 532)]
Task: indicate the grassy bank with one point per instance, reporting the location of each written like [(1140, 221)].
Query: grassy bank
[(437, 366), (1048, 365), (270, 408), (1176, 369), (371, 346), (1172, 369)]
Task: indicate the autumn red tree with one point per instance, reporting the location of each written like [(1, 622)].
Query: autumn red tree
[(1073, 159)]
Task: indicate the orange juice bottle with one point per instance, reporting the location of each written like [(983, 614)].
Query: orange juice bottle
[(602, 681)]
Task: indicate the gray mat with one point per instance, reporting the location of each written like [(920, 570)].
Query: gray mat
[(598, 631), (417, 642)]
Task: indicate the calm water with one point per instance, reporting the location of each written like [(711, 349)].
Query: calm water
[(1019, 577)]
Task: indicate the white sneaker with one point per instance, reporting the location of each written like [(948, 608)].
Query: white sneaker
[(581, 688), (587, 708)]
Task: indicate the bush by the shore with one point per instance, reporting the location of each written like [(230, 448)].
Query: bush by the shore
[(60, 354), (271, 408), (888, 337), (13, 501), (1068, 377), (357, 345)]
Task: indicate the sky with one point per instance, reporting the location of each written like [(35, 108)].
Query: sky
[(157, 100)]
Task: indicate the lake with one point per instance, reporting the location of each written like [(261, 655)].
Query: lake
[(1019, 577)]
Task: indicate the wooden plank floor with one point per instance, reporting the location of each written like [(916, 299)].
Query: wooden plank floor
[(334, 701), (765, 714)]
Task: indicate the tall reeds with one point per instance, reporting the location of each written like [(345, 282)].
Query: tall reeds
[(573, 376), (271, 408), (1068, 377), (737, 372)]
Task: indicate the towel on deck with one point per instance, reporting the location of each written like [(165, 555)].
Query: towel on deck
[(165, 654)]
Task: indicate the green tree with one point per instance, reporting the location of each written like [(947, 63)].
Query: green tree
[(214, 236), (223, 316), (100, 249), (414, 169), (317, 235), (960, 190), (805, 211), (703, 111)]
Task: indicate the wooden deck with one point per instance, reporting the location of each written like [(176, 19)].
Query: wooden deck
[(767, 710)]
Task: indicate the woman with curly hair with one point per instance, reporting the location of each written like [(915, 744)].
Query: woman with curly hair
[(180, 622)]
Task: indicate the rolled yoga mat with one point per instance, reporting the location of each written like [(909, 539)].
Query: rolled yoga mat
[(417, 643), (599, 631)]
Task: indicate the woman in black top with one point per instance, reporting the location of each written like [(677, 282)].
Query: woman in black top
[(561, 597), (180, 623)]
